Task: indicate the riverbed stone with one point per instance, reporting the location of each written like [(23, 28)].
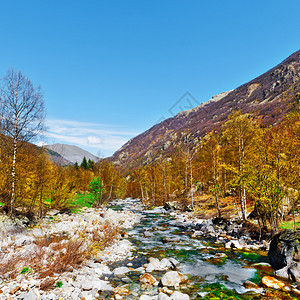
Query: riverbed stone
[(173, 278), (146, 297), (233, 244), (284, 254), (150, 268), (272, 282), (174, 262), (165, 264), (121, 290), (155, 262), (121, 271), (284, 249), (163, 296), (250, 285), (179, 296), (31, 295), (147, 278)]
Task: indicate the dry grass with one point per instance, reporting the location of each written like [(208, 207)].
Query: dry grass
[(205, 207), (49, 256), (106, 236)]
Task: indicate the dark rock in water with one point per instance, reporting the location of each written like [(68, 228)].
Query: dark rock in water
[(188, 208), (172, 206), (220, 221), (284, 254), (284, 247)]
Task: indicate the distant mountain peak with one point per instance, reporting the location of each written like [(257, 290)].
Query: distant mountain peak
[(72, 153)]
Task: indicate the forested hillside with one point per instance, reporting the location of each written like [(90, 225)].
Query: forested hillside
[(269, 96)]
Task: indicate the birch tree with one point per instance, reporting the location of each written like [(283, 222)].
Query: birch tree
[(22, 117), (239, 132)]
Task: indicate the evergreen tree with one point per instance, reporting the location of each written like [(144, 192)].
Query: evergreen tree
[(84, 164), (90, 164)]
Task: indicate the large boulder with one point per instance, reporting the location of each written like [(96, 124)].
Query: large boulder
[(284, 254)]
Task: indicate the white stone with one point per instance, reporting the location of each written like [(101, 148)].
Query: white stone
[(146, 297), (121, 271), (179, 296), (150, 268), (163, 296), (174, 262), (155, 262), (165, 264), (31, 295), (173, 278)]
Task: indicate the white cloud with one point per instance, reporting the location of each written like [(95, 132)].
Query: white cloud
[(96, 138), (93, 140)]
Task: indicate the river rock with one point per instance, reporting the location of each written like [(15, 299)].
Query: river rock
[(163, 296), (165, 264), (139, 270), (175, 263), (172, 206), (31, 295), (173, 278), (147, 278), (179, 296), (252, 286), (121, 290), (150, 268), (146, 297), (272, 282), (233, 244), (121, 271), (155, 262), (284, 254), (99, 285)]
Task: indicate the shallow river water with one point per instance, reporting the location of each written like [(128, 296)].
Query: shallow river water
[(213, 271)]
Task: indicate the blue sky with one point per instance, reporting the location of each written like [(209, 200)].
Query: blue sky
[(110, 69)]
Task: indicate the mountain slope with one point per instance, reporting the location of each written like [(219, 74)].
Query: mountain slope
[(72, 153), (57, 158), (264, 95)]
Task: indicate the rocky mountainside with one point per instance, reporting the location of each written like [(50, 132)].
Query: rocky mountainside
[(72, 153), (57, 158), (270, 95)]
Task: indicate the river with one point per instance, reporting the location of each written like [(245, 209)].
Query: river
[(213, 271)]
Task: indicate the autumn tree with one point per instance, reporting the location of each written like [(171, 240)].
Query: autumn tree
[(22, 117), (239, 132), (211, 162)]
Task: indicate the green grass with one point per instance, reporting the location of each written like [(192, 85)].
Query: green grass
[(82, 200), (1, 203), (289, 225)]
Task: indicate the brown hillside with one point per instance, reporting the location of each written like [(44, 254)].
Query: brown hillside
[(270, 95)]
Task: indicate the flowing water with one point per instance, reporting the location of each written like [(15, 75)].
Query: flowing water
[(213, 271)]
